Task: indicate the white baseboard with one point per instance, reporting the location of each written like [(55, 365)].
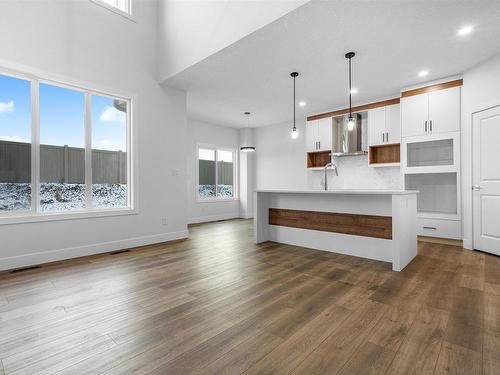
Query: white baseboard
[(80, 251), (208, 218)]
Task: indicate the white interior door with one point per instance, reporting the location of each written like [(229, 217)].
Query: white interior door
[(486, 180)]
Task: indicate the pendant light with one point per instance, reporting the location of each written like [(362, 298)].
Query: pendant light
[(295, 132), (351, 122), (246, 145)]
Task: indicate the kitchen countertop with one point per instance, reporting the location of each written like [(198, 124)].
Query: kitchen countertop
[(340, 191)]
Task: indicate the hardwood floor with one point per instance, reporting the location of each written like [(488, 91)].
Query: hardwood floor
[(218, 304)]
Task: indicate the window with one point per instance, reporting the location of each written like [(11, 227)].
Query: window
[(67, 153), (109, 152), (122, 6), (216, 171), (62, 149), (15, 144)]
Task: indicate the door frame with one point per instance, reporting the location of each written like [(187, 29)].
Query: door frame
[(467, 155)]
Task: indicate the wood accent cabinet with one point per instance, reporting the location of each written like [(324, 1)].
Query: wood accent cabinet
[(431, 112), (384, 154), (318, 159)]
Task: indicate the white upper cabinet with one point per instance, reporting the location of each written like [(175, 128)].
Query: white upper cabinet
[(325, 133), (431, 113), (319, 135), (444, 110), (376, 126), (384, 125), (415, 115), (312, 135), (393, 123)]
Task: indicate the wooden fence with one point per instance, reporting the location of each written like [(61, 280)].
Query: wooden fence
[(207, 172), (61, 164)]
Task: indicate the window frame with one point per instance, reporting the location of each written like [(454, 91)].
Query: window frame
[(35, 214), (233, 150), (129, 15)]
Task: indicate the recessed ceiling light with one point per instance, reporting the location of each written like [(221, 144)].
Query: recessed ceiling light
[(466, 30), (354, 91), (423, 73), (302, 103)]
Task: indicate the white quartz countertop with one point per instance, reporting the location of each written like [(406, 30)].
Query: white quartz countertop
[(340, 191)]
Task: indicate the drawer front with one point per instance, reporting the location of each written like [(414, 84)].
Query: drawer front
[(439, 228)]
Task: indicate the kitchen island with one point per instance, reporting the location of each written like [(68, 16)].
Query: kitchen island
[(373, 224)]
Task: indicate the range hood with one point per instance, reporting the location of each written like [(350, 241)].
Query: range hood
[(347, 141)]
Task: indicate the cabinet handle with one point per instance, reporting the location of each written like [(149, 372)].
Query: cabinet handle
[(425, 126), (432, 228), (319, 145), (430, 126), (387, 137), (383, 137)]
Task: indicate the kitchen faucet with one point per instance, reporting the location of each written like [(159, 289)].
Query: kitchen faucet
[(325, 177)]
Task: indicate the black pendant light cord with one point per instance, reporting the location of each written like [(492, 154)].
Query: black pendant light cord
[(350, 55), (294, 75), (350, 90), (293, 103)]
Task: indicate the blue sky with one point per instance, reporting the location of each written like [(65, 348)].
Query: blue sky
[(15, 112), (61, 116)]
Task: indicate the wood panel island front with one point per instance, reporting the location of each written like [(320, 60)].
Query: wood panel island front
[(373, 224)]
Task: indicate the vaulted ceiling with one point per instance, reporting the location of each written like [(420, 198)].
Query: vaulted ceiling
[(393, 41)]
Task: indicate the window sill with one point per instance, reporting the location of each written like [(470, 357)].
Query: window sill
[(26, 217), (217, 200)]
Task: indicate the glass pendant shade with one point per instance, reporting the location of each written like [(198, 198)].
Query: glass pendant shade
[(351, 123), (295, 133)]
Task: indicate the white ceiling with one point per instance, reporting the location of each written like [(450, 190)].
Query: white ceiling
[(393, 40)]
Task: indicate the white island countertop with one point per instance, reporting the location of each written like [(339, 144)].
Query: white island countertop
[(339, 191)]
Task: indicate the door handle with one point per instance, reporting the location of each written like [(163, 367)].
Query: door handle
[(430, 126), (425, 122), (476, 187)]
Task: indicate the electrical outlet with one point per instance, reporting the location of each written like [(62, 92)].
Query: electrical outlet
[(163, 221)]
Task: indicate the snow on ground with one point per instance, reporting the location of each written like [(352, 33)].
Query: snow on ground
[(61, 197), (208, 191)]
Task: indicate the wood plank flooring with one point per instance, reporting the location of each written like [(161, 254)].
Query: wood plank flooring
[(219, 304)]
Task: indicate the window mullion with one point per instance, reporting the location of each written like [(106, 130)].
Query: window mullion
[(35, 147), (88, 150), (216, 176)]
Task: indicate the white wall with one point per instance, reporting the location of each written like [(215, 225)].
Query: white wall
[(281, 164), (82, 41), (280, 161), (193, 30), (481, 90), (204, 133), (247, 174)]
